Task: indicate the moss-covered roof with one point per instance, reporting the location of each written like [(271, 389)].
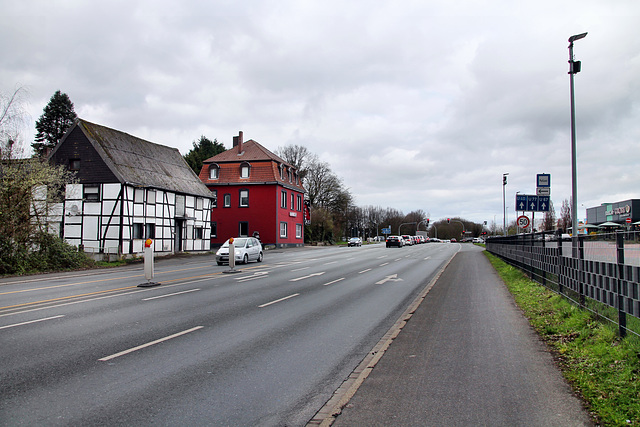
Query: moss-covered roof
[(138, 162)]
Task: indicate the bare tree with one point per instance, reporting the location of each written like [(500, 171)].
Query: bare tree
[(13, 121), (29, 190), (549, 220), (299, 157), (564, 222)]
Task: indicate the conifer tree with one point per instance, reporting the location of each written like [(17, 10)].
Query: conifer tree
[(202, 149), (58, 116)]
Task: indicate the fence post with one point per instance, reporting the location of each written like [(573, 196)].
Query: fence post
[(532, 257), (542, 263), (560, 266), (580, 269), (622, 316)]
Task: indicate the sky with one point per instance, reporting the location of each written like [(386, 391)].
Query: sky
[(414, 104)]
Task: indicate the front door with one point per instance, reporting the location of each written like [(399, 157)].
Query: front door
[(178, 235)]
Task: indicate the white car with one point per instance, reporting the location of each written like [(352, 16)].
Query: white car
[(246, 249)]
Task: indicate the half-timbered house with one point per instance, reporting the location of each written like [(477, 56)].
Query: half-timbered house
[(129, 190)]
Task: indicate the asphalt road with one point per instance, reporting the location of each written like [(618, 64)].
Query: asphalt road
[(466, 357), (266, 346)]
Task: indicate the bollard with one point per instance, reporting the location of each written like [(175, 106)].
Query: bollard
[(232, 258), (148, 265)]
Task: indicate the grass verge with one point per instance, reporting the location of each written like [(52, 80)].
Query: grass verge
[(601, 367)]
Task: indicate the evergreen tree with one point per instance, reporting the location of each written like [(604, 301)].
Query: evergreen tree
[(58, 116), (201, 151)]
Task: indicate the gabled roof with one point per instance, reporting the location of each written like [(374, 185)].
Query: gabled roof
[(265, 167), (138, 162), (251, 151)]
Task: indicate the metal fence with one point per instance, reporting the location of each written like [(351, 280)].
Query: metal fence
[(600, 272)]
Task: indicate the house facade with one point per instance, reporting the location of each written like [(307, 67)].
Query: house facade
[(129, 190), (256, 192)]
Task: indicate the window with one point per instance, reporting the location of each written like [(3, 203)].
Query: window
[(214, 171), (244, 170), (151, 197), (74, 164), (298, 231), (138, 195), (283, 229), (199, 203), (227, 200), (197, 232), (299, 205), (292, 205), (243, 229), (150, 231), (214, 202), (91, 193), (283, 199), (244, 198), (282, 172), (138, 229), (214, 229)]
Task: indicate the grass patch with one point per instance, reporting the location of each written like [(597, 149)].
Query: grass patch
[(601, 367)]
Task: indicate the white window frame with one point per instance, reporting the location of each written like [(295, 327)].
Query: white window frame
[(245, 170), (298, 231), (283, 229), (246, 204), (214, 172)]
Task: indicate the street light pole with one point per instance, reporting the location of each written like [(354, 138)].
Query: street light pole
[(574, 68), (504, 209), (517, 224)]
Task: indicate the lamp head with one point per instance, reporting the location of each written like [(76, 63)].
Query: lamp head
[(577, 37)]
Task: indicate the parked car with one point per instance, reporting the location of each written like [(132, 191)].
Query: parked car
[(354, 241), (395, 241), (246, 249)]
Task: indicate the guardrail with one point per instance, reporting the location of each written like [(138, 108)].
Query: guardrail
[(600, 272)]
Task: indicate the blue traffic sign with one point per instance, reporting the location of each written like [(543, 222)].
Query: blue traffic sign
[(543, 203), (386, 231), (531, 203), (543, 180)]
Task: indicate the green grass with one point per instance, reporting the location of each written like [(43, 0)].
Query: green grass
[(601, 367)]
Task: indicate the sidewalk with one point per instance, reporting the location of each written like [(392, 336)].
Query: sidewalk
[(467, 357)]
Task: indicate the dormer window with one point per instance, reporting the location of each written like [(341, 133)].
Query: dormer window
[(244, 170), (281, 171), (214, 171)]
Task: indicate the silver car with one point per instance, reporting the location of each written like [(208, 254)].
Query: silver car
[(246, 249)]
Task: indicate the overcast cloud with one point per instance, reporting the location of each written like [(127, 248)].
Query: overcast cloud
[(414, 104)]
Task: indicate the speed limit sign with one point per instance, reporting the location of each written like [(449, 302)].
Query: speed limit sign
[(523, 221)]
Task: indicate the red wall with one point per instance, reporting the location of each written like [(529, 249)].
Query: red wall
[(263, 214)]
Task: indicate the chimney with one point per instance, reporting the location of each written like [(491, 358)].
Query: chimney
[(237, 141)]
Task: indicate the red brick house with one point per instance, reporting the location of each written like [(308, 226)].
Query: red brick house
[(255, 191)]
